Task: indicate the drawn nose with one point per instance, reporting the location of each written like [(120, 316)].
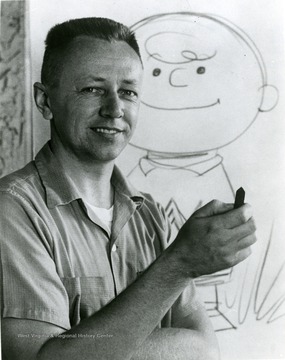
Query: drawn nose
[(177, 78)]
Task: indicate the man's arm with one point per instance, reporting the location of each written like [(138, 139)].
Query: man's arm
[(214, 238), (130, 319), (190, 338)]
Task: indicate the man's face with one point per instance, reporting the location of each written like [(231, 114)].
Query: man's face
[(96, 103), (203, 85)]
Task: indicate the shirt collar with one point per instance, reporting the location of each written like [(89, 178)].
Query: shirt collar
[(60, 188), (122, 185)]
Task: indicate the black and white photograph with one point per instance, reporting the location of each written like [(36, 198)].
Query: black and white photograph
[(142, 173)]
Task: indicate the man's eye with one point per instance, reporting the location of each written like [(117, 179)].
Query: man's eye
[(156, 72), (201, 70), (91, 89), (128, 93)]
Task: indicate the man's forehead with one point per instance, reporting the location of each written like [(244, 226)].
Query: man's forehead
[(92, 46), (89, 58)]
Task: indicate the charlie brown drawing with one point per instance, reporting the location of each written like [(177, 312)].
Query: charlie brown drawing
[(205, 85)]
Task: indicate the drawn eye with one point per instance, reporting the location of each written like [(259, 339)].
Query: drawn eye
[(201, 70), (156, 72)]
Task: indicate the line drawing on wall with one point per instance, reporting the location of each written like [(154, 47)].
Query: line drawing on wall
[(205, 85)]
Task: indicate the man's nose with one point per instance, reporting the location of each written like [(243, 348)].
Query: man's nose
[(112, 107), (178, 77)]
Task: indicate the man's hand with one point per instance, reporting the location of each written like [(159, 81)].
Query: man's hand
[(214, 238)]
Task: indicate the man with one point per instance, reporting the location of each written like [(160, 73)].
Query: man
[(79, 281)]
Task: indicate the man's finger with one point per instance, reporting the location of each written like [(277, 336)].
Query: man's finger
[(239, 256), (242, 255), (246, 242), (214, 207), (243, 230), (233, 218)]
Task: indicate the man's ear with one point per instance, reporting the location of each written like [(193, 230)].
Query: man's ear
[(42, 100), (270, 97)]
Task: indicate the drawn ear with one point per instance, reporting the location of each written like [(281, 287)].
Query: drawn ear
[(270, 97), (42, 100)]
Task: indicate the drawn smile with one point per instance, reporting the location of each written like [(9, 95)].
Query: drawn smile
[(183, 108)]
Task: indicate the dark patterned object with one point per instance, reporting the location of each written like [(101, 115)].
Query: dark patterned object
[(15, 122)]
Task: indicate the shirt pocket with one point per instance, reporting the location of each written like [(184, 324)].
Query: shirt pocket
[(87, 295)]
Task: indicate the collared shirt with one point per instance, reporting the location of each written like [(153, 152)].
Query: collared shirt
[(58, 262)]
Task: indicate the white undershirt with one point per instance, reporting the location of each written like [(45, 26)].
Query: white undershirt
[(104, 215)]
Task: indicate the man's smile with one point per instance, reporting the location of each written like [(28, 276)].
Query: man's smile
[(107, 132)]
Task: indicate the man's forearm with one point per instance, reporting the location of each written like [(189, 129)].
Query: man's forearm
[(177, 344), (129, 319)]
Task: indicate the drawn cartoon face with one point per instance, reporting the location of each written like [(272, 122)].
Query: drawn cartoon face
[(203, 83)]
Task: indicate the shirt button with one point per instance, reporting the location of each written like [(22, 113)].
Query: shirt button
[(114, 248)]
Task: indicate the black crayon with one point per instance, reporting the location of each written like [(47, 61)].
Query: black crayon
[(239, 200)]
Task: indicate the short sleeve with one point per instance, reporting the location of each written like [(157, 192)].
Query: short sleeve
[(30, 286)]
